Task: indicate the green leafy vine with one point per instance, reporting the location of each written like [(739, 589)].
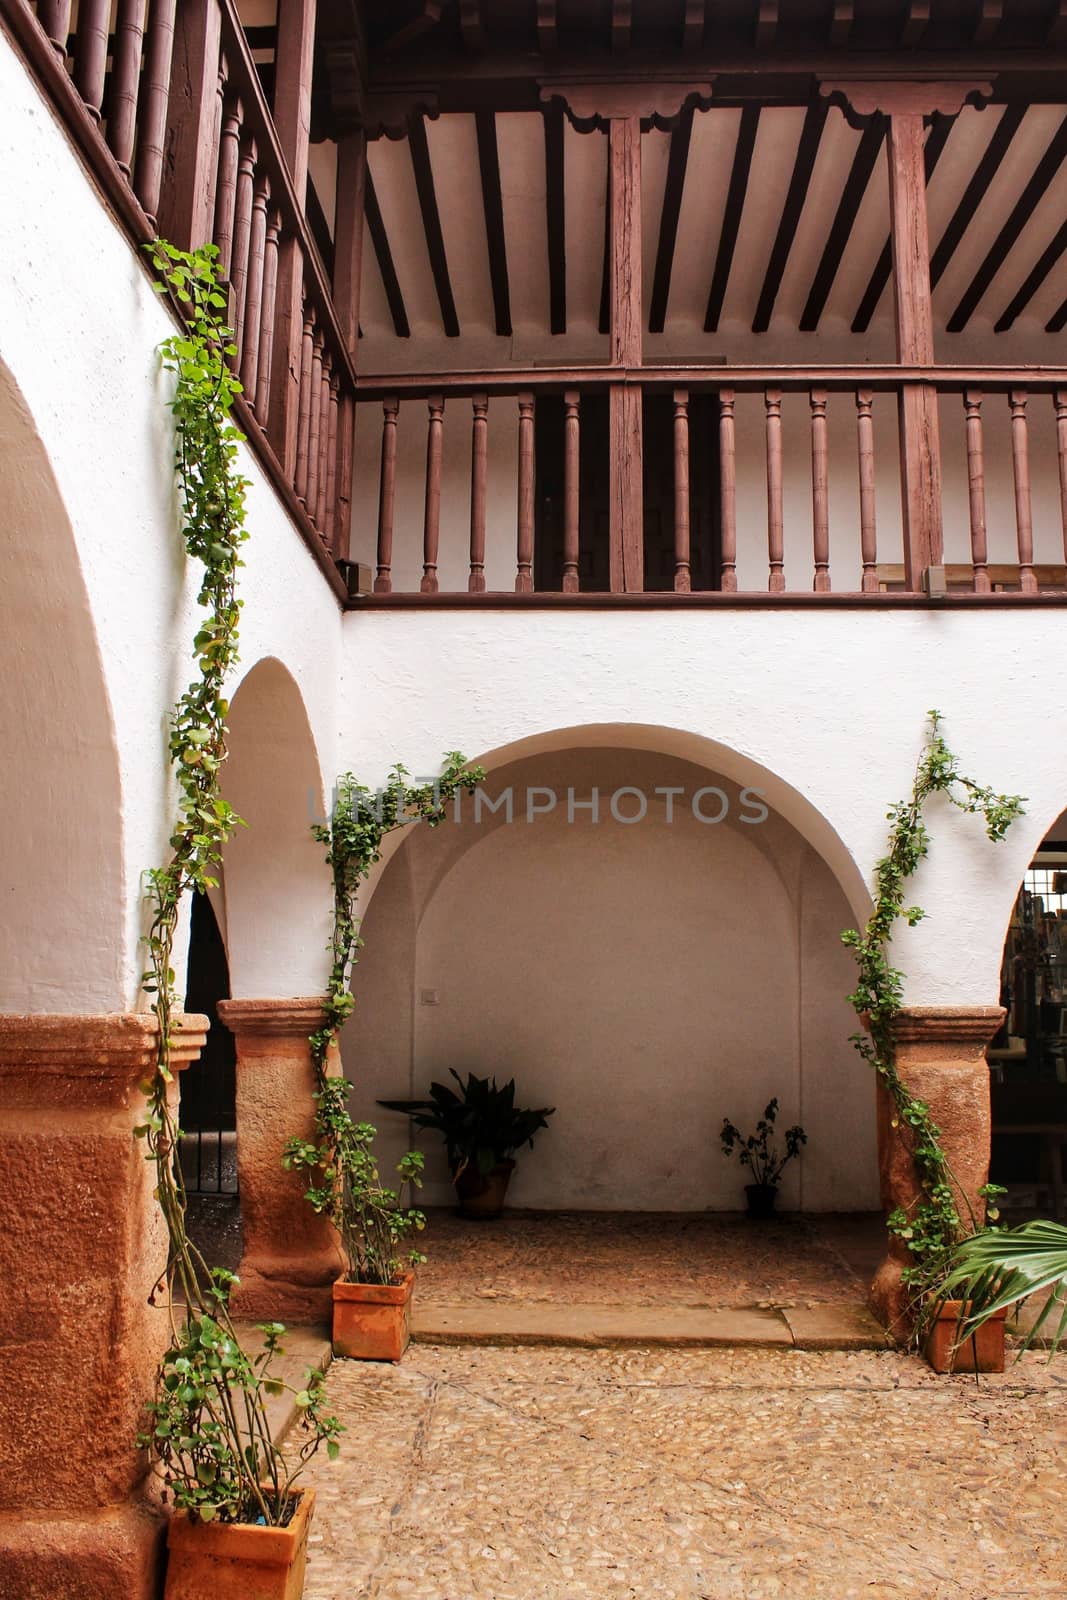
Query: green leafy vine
[(931, 1228), (345, 1185), (209, 1432)]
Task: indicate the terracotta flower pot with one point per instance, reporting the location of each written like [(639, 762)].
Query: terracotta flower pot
[(237, 1561), (761, 1199), (372, 1321), (982, 1353), (483, 1196)]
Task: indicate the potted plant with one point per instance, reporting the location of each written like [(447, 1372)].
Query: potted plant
[(372, 1299), (990, 1271), (240, 1523), (482, 1128), (762, 1157)]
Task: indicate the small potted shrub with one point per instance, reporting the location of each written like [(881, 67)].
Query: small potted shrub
[(240, 1523), (372, 1299), (991, 1271), (762, 1157), (482, 1128)]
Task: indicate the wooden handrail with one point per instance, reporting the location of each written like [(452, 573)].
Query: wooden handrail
[(949, 379)]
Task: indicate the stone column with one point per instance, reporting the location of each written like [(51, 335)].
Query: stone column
[(81, 1245), (291, 1257), (941, 1058)]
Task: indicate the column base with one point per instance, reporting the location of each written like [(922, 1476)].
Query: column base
[(92, 1557)]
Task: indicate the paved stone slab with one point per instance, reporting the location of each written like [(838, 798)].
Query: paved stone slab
[(304, 1348), (508, 1323), (835, 1328)]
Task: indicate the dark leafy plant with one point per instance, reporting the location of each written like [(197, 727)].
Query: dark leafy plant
[(998, 1267), (481, 1126), (345, 1185), (757, 1151), (932, 1228), (209, 1431)]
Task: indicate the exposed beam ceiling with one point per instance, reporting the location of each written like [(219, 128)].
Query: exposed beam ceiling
[(431, 222), (555, 212), (677, 162), (384, 255), (731, 220), (807, 150), (492, 200), (863, 163), (936, 140)]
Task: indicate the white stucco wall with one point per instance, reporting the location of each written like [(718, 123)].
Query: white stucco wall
[(79, 332), (647, 978)]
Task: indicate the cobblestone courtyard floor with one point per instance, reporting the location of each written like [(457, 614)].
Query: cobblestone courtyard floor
[(546, 1474)]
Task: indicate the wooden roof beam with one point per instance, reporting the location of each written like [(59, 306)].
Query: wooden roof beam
[(841, 23), (1021, 213), (766, 24), (807, 151), (428, 17), (547, 40), (380, 241), (555, 217), (1058, 321), (431, 222), (621, 24), (731, 217), (1035, 278), (989, 20), (916, 21), (693, 25), (677, 162), (493, 202), (863, 163), (471, 27), (960, 221)]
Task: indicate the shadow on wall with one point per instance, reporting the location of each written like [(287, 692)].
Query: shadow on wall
[(647, 962)]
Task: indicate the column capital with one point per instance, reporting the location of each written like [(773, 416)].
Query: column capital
[(966, 1030), (861, 97), (43, 1053), (274, 1018)]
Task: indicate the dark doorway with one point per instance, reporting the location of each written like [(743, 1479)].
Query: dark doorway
[(594, 572), (208, 1110)]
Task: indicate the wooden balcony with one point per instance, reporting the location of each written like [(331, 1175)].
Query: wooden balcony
[(628, 480)]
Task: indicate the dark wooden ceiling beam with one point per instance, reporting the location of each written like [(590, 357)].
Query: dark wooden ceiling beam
[(1034, 279), (841, 23), (960, 221), (936, 140), (693, 26), (547, 40), (604, 314), (731, 217), (431, 223), (677, 161), (863, 163), (1058, 320), (916, 22), (807, 151), (766, 24), (380, 240), (621, 24), (989, 20), (1057, 28), (1021, 213), (493, 202), (556, 218), (471, 25), (427, 18)]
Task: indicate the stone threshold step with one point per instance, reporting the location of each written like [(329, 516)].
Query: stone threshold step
[(824, 1327)]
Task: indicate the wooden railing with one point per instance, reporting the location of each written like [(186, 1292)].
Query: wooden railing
[(169, 111), (799, 478)]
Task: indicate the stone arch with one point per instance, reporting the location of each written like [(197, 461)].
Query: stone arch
[(457, 922), (63, 928), (277, 887)]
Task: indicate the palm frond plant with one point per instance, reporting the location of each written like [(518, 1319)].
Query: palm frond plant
[(998, 1267)]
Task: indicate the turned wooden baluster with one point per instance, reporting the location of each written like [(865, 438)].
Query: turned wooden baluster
[(572, 455), (321, 486), (226, 189), (54, 17), (125, 80), (314, 423), (524, 576), (772, 401), (479, 465), (346, 426), (253, 296), (1060, 402), (303, 425), (682, 576), (155, 98), (972, 406), (868, 520), (266, 317), (728, 491), (431, 527), (332, 436), (242, 240), (1020, 460), (383, 581), (820, 487), (90, 53)]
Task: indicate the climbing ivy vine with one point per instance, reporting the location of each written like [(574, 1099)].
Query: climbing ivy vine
[(345, 1184), (933, 1227), (209, 1431)]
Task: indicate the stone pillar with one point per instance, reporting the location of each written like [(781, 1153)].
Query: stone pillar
[(291, 1256), (941, 1058), (81, 1245)]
